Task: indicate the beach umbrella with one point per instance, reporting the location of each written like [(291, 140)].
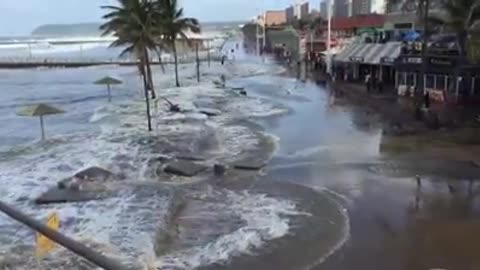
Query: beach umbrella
[(40, 110), (108, 81)]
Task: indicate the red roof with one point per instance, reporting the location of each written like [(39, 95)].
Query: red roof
[(360, 21)]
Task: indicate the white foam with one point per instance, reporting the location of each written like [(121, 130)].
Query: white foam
[(265, 219), (34, 168)]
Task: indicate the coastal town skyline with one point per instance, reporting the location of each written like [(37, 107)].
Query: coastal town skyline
[(80, 11)]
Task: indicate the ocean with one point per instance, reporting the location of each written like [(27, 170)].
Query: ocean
[(113, 136)]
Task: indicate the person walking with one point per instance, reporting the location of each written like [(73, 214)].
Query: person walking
[(380, 86), (427, 99), (223, 59), (368, 82)]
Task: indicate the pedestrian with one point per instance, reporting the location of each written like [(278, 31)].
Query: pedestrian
[(223, 59), (427, 99), (368, 82), (232, 55)]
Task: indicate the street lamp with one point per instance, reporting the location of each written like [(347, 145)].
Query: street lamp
[(423, 68), (329, 36)]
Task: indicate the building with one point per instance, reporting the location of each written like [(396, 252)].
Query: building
[(275, 18), (343, 27), (361, 7), (342, 8), (290, 14), (324, 9), (378, 6), (304, 10)]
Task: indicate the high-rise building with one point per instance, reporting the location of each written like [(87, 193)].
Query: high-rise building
[(342, 8), (361, 7), (378, 6), (304, 10), (323, 9), (290, 14)]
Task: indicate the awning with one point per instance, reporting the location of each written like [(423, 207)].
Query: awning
[(343, 56), (371, 53), (332, 51), (391, 53)]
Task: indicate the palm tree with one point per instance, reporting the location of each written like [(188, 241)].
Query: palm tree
[(454, 16), (459, 17), (132, 24), (173, 25)]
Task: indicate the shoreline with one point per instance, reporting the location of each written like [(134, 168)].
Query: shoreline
[(402, 132)]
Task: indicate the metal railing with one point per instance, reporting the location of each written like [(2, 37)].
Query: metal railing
[(76, 247)]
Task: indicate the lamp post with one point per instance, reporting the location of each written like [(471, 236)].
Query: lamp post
[(423, 69), (329, 36)]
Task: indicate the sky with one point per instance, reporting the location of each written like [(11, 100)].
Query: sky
[(20, 17)]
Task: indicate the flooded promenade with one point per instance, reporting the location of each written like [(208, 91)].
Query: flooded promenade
[(328, 195)]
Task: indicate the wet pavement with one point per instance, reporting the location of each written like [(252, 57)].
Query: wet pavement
[(396, 221)]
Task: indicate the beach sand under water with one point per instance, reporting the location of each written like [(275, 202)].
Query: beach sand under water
[(330, 196), (141, 218)]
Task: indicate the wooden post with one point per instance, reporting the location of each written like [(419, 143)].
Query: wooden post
[(396, 80), (198, 61), (472, 87), (445, 87), (70, 244), (42, 127), (424, 83), (208, 52), (457, 88), (435, 82), (109, 93)]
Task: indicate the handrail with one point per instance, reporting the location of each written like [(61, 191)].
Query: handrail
[(65, 241)]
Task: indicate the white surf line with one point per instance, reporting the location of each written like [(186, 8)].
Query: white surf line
[(341, 243)]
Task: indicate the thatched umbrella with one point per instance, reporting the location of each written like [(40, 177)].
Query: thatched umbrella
[(40, 110), (109, 81)]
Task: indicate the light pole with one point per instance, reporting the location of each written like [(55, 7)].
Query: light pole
[(329, 36), (423, 69)]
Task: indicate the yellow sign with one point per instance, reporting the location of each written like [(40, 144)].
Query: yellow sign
[(44, 244)]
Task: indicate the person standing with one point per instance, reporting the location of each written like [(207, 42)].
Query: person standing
[(427, 99), (368, 82)]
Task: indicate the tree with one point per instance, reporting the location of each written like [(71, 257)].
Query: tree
[(132, 24), (458, 17), (172, 25)]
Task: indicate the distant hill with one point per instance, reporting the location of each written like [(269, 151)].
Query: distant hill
[(92, 29)]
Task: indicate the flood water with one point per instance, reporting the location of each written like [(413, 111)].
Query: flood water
[(395, 223), (330, 198)]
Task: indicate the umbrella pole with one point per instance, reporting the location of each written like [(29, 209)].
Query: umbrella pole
[(109, 93), (42, 127)]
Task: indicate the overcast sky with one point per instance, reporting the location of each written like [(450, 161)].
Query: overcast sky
[(20, 17)]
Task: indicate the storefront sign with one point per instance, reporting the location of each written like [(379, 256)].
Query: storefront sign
[(356, 59), (388, 60), (412, 60), (441, 62)]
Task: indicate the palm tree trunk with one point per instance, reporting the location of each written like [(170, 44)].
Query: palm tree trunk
[(174, 48), (159, 54), (146, 87), (149, 73)]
